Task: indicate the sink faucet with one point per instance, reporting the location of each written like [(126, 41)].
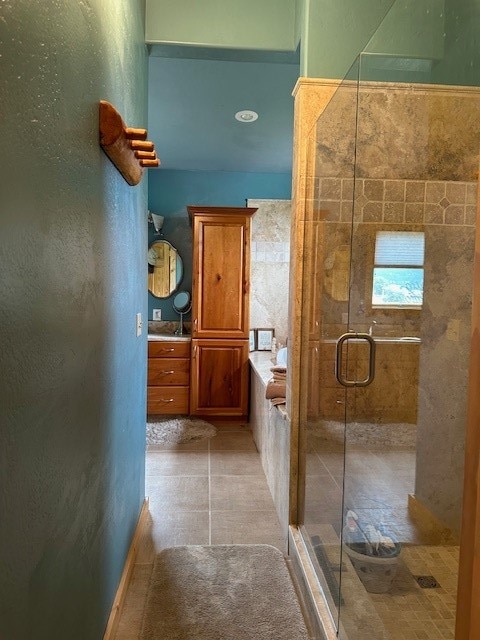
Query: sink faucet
[(371, 327)]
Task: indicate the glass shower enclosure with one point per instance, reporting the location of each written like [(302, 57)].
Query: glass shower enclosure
[(389, 237)]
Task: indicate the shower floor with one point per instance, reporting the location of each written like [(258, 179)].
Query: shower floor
[(406, 612), (377, 486), (409, 611)]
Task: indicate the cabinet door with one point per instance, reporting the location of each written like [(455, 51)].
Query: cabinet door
[(219, 384), (221, 276)]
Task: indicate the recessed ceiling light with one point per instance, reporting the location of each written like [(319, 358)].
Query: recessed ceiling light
[(246, 116)]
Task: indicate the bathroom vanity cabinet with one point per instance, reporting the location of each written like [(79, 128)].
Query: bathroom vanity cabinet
[(168, 377), (219, 381), (220, 310)]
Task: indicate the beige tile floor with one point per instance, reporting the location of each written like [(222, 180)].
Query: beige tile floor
[(209, 492), (406, 612), (215, 492)]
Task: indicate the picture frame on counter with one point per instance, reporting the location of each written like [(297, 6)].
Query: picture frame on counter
[(264, 339)]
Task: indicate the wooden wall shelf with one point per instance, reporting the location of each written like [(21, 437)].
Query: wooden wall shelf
[(127, 148)]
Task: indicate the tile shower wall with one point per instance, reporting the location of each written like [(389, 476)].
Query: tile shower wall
[(446, 212), (270, 265), (414, 152), (397, 201), (408, 205)]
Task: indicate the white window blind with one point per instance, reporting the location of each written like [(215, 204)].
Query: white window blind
[(399, 248)]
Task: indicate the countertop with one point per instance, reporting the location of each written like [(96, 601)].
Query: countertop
[(261, 362), (170, 337), (165, 330)]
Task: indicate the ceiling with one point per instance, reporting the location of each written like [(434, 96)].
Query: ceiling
[(193, 100)]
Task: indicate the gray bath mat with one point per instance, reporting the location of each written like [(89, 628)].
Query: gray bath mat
[(222, 592), (177, 430)]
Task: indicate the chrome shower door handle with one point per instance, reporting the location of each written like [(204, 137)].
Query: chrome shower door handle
[(371, 360)]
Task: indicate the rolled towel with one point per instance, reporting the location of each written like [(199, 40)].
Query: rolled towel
[(276, 401), (278, 368), (279, 373), (276, 389)]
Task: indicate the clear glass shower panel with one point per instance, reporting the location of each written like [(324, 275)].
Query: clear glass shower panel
[(328, 221), (416, 173), (391, 212)]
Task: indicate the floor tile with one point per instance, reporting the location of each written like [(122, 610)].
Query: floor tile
[(315, 466), (177, 493), (176, 463), (235, 463), (194, 445), (322, 492), (247, 527), (334, 461), (240, 493), (232, 426), (171, 530), (233, 441)]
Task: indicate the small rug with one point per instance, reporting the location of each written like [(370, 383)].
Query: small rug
[(222, 592), (177, 430)]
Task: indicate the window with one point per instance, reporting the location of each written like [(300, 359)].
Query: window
[(398, 269)]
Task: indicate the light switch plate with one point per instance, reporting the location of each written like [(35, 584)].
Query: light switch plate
[(157, 314), (139, 324)]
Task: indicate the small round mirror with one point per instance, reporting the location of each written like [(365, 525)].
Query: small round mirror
[(181, 302)]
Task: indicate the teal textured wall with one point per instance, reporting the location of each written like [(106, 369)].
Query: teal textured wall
[(461, 62), (73, 242), (229, 23), (412, 29), (333, 32), (336, 32), (169, 193)]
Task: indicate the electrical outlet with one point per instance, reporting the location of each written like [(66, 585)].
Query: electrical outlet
[(157, 314), (139, 324)]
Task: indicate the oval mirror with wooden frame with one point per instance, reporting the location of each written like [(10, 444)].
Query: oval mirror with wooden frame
[(165, 269)]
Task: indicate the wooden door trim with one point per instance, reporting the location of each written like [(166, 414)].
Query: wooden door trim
[(468, 595)]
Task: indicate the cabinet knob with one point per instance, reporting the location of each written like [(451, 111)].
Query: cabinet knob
[(166, 373), (167, 350), (163, 400)]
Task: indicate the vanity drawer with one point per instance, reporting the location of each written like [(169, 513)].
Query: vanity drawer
[(167, 400), (168, 371), (164, 349)]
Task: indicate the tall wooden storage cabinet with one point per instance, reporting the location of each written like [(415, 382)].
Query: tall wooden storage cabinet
[(220, 311)]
